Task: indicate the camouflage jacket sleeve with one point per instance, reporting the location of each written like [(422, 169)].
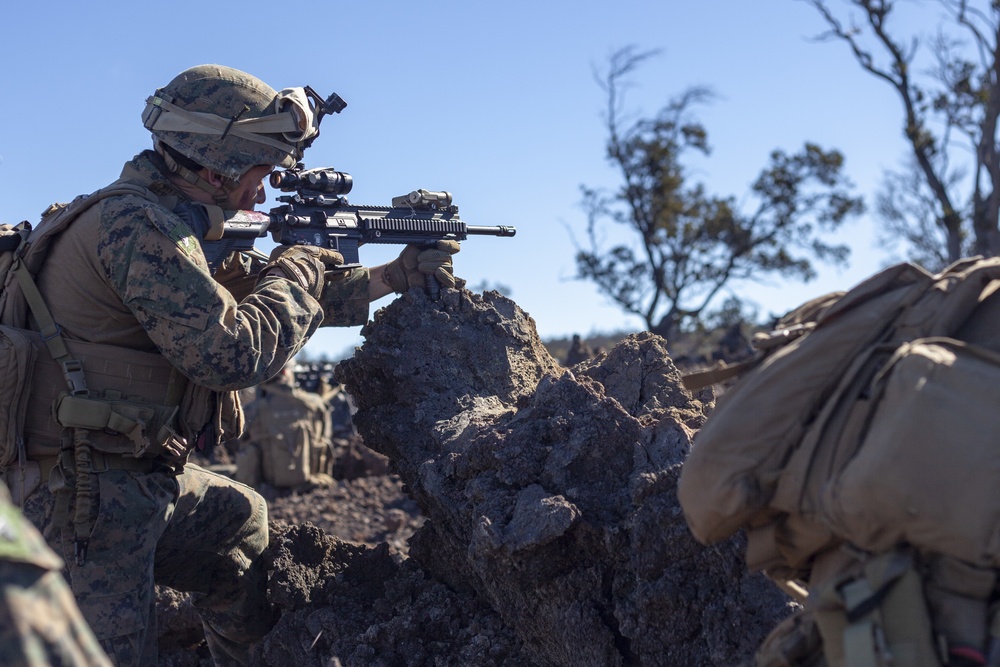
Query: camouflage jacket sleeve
[(157, 268), (345, 302), (238, 274)]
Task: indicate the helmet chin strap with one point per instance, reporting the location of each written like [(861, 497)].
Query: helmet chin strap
[(220, 195)]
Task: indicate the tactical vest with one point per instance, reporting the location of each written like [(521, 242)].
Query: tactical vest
[(78, 384), (80, 407)]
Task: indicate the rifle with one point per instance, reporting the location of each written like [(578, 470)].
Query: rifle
[(317, 214)]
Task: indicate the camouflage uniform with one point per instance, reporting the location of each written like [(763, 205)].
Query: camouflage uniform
[(130, 274), (40, 623)]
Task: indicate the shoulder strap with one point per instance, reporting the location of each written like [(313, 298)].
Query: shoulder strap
[(721, 372)]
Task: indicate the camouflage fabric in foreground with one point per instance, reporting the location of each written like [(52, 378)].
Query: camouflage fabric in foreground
[(40, 624)]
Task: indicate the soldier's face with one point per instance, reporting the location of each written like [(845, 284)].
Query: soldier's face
[(250, 191)]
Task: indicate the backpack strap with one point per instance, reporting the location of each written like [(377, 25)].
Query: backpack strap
[(50, 331), (72, 369), (718, 373), (792, 326)]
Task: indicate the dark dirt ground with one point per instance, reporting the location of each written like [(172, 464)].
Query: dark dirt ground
[(518, 513)]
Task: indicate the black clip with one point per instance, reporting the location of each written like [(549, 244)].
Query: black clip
[(233, 120), (80, 551)]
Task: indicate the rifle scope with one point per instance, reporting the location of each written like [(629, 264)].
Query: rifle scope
[(324, 181)]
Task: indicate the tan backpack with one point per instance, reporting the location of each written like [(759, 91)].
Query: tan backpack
[(858, 416), (284, 439)]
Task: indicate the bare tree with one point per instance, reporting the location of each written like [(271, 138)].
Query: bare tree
[(684, 246), (950, 112)]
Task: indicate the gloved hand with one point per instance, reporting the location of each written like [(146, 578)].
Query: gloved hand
[(414, 264), (309, 266)]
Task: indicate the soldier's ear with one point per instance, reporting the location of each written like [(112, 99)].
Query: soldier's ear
[(213, 179)]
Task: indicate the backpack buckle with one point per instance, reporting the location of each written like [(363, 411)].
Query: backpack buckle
[(73, 372)]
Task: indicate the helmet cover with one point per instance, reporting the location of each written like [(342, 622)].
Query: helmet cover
[(229, 121)]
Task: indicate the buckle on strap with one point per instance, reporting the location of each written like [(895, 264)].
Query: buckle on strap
[(55, 330), (73, 372)]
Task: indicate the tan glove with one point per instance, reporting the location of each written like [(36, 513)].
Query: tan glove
[(415, 264), (309, 266)]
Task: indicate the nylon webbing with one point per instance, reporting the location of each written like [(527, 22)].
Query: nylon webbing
[(701, 379), (861, 637), (180, 120), (51, 335), (83, 517), (83, 412)]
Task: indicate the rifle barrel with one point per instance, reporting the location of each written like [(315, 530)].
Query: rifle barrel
[(500, 230)]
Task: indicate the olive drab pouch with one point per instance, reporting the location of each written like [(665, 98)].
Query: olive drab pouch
[(11, 238), (209, 418), (248, 465), (147, 427), (17, 360), (285, 455)]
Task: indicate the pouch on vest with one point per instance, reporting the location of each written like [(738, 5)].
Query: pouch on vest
[(17, 359), (248, 465), (876, 615), (146, 427)]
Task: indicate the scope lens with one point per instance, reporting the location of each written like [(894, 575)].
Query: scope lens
[(278, 179)]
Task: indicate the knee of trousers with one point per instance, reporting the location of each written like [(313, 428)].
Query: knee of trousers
[(253, 535)]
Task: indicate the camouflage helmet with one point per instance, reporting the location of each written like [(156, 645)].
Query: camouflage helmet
[(229, 121)]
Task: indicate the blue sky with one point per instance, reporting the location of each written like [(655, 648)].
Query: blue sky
[(495, 102)]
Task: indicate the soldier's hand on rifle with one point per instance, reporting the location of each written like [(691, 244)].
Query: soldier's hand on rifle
[(416, 263), (309, 266)]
